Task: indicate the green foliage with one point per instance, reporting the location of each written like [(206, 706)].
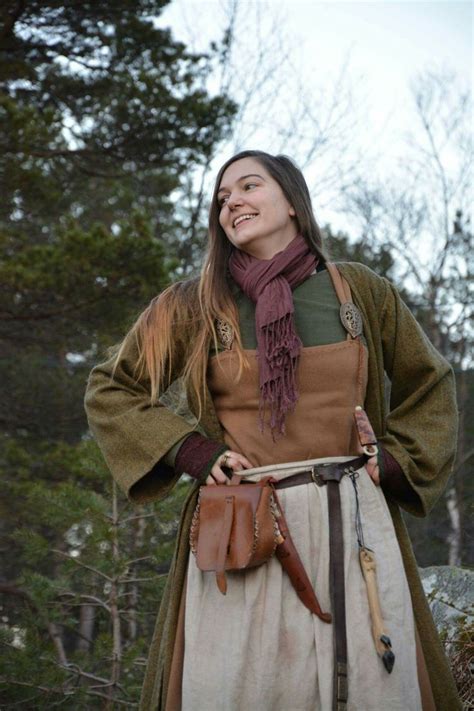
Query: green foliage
[(102, 114), (79, 549)]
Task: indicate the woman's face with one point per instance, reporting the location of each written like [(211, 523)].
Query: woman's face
[(254, 213)]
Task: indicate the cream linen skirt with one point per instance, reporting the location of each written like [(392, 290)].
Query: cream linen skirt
[(259, 648)]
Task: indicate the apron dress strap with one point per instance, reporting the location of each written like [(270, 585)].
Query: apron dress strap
[(350, 315), (341, 286)]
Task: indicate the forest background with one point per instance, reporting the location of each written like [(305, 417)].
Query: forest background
[(111, 131)]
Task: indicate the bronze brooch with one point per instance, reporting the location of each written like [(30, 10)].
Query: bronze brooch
[(351, 319), (225, 333)]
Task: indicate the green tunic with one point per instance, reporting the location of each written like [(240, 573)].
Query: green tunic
[(317, 320), (417, 427)]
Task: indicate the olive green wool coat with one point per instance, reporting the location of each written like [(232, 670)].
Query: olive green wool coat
[(417, 427)]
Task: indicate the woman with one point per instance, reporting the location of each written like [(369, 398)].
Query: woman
[(273, 375)]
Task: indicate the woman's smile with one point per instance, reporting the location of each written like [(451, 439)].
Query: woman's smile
[(243, 219)]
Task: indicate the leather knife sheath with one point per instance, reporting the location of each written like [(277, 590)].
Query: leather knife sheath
[(293, 566)]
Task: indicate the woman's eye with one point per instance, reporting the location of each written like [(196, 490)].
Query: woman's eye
[(223, 200)]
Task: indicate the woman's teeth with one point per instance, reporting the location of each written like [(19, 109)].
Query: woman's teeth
[(243, 218)]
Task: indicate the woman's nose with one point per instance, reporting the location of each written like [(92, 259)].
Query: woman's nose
[(234, 200)]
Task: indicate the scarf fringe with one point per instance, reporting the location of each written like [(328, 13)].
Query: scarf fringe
[(278, 391)]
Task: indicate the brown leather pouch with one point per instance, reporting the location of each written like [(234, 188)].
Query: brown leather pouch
[(234, 527)]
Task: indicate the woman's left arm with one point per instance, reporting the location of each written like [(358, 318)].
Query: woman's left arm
[(421, 427)]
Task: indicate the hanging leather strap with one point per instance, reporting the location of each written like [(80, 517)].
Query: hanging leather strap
[(224, 544), (337, 589), (336, 583)]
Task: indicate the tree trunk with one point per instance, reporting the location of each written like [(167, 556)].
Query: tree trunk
[(454, 538), (56, 636), (454, 495), (86, 627), (133, 597), (114, 607)]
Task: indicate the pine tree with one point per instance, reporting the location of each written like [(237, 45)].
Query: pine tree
[(101, 113)]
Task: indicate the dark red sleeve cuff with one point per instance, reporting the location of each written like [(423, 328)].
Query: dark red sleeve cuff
[(392, 479), (197, 455)]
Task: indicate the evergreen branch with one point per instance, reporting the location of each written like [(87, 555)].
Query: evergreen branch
[(120, 702), (83, 565), (124, 579), (59, 152), (60, 692), (97, 600), (137, 518), (75, 669), (10, 646), (48, 690), (137, 560), (53, 631), (77, 59)]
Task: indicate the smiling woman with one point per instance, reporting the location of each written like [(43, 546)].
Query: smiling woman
[(283, 355)]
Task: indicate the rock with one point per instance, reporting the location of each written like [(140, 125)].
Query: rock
[(450, 593)]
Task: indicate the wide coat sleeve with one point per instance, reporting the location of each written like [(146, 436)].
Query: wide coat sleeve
[(133, 434), (421, 425)]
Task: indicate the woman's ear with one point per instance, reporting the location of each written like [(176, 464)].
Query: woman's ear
[(292, 212)]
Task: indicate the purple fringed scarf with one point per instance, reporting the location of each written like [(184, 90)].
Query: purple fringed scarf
[(269, 283)]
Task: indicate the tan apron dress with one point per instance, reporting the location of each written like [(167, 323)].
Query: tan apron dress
[(258, 647)]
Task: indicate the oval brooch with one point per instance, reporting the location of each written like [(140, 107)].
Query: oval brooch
[(224, 333), (351, 319)]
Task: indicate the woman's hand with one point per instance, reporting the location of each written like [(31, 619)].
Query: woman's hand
[(231, 460), (373, 470)]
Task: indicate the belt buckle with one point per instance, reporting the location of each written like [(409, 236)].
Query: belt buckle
[(315, 477)]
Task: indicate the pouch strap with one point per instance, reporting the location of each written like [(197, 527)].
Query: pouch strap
[(224, 544)]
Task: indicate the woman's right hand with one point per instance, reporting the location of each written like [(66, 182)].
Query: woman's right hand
[(372, 467), (231, 460)]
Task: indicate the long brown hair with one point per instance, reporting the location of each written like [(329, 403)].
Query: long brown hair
[(176, 330)]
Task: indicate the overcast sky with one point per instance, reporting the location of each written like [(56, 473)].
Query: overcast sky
[(387, 43)]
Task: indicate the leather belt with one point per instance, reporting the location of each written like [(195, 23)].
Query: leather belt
[(320, 473), (330, 475)]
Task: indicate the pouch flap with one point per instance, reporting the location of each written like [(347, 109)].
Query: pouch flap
[(211, 519)]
